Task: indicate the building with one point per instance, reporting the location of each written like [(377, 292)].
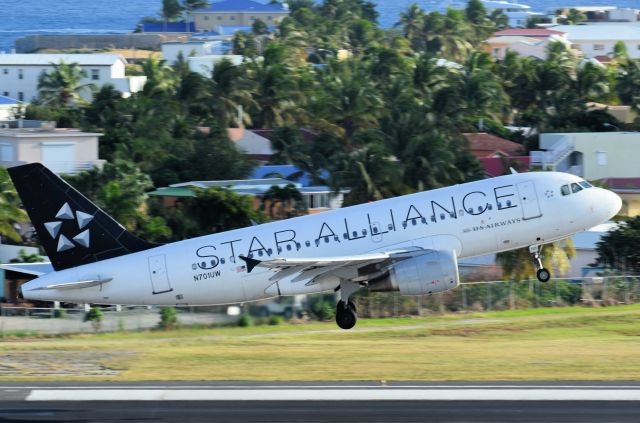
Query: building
[(237, 13), (173, 50), (591, 155), (316, 198), (626, 114), (518, 14), (8, 108), (629, 190), (204, 65), (61, 150), (168, 27), (497, 155), (599, 40), (525, 42), (19, 73)]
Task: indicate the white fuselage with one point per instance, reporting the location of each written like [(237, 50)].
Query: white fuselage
[(473, 219)]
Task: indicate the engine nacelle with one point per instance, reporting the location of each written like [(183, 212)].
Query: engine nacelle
[(428, 273)]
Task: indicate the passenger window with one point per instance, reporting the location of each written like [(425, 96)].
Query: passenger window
[(575, 188), (585, 184), (565, 190)]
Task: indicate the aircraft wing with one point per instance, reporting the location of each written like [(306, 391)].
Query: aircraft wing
[(347, 267)]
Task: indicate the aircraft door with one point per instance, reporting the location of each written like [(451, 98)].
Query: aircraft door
[(529, 200), (158, 273)]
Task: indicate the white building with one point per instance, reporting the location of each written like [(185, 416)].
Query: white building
[(19, 73), (204, 65), (518, 14), (171, 51), (599, 40), (8, 108), (61, 150)]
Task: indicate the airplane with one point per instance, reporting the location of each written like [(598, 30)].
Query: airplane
[(409, 244)]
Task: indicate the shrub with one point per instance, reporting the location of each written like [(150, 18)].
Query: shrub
[(275, 320), (59, 313), (95, 316), (168, 318), (245, 321)]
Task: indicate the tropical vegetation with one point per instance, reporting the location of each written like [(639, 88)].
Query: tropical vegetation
[(387, 106)]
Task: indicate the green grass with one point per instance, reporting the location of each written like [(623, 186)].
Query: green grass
[(541, 344)]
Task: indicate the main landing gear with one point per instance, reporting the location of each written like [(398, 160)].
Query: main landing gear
[(346, 313), (542, 274)]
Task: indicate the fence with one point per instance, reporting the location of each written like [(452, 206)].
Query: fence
[(610, 290), (16, 320)]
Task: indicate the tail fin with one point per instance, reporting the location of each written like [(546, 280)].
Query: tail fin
[(72, 230)]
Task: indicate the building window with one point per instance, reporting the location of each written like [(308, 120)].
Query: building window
[(6, 93), (206, 18), (95, 74), (233, 18), (253, 18), (219, 18), (20, 96), (20, 74), (269, 18), (6, 71), (598, 46), (601, 158), (6, 152)]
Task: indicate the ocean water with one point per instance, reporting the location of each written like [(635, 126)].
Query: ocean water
[(19, 18)]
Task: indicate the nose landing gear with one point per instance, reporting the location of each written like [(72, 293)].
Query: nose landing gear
[(542, 274)]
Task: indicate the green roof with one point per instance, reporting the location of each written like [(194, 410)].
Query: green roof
[(173, 192)]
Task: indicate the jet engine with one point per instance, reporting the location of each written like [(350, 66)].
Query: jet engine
[(428, 273)]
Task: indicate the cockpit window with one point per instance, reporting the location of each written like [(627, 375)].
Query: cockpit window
[(575, 187), (565, 190), (585, 184)]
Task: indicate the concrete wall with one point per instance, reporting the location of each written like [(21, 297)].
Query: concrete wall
[(58, 42), (592, 48)]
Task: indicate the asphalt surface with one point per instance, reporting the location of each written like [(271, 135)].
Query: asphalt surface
[(15, 406)]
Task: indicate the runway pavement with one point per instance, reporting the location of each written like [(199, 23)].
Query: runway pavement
[(320, 402)]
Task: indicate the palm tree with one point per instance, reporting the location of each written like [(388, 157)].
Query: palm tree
[(411, 22), (628, 83), (10, 211), (229, 92), (161, 79), (273, 85), (61, 87), (287, 200), (518, 265), (591, 82), (370, 173), (350, 101)]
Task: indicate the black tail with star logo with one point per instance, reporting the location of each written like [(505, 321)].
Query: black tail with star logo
[(72, 230)]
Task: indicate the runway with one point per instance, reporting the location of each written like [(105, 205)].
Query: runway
[(320, 402)]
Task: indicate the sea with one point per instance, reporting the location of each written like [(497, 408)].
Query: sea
[(19, 18)]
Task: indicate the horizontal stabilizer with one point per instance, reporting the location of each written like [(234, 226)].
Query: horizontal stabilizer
[(34, 269), (76, 285)]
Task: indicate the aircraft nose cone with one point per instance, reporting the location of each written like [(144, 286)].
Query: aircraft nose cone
[(612, 203)]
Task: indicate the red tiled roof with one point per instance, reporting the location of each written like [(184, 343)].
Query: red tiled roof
[(603, 59), (622, 184), (498, 166), (488, 145), (525, 32)]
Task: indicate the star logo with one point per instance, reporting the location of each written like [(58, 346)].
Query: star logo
[(549, 193), (83, 238)]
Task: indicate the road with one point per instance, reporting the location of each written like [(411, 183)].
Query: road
[(320, 402)]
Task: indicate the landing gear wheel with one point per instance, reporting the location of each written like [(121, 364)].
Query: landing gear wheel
[(543, 275), (352, 306), (346, 317)]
